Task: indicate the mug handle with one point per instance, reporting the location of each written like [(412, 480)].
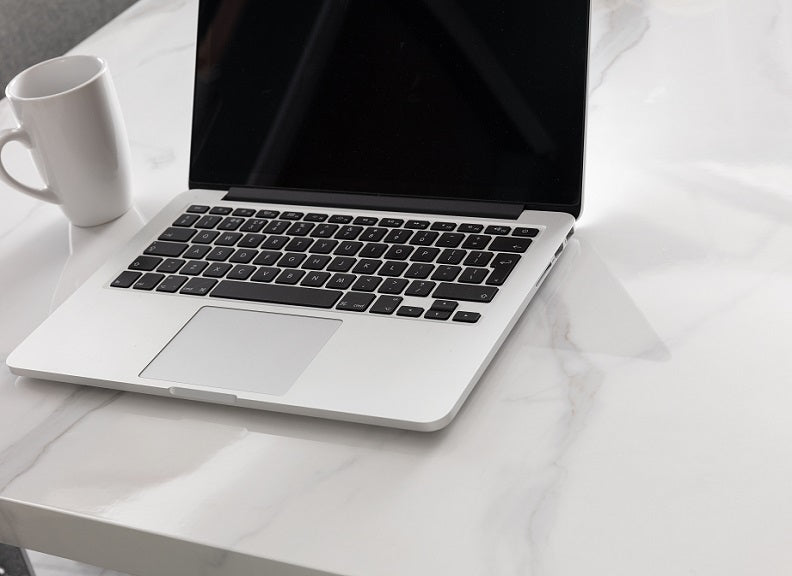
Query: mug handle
[(21, 136)]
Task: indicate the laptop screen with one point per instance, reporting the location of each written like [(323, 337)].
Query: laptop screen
[(460, 99)]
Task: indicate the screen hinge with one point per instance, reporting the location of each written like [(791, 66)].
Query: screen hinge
[(473, 208)]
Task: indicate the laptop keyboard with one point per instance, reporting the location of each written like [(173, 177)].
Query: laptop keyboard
[(319, 260)]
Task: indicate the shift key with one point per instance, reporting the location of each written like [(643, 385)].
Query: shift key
[(465, 292)]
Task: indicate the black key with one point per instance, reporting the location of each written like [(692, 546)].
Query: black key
[(241, 272), (231, 223), (373, 234), (170, 265), (341, 281), (205, 237), (417, 224), (198, 208), (299, 244), (276, 227), (228, 238), (145, 263), (244, 212), (424, 254), (291, 260), (251, 240), (125, 279), (366, 266), (391, 222), (290, 276), (469, 317), (340, 219), (276, 294), (265, 274), (243, 256), (476, 242), (171, 284), (386, 305), (465, 292), (524, 233), (186, 220), (323, 246), (391, 268), (220, 253), (419, 288), (316, 262), (341, 264), (446, 305), (300, 228), (437, 314), (450, 256), (365, 221), (443, 226), (449, 240), (367, 283), (517, 245), (194, 267), (393, 286), (419, 271), (198, 286), (148, 281), (470, 228), (410, 311), (314, 217), (222, 210), (292, 215), (275, 242), (208, 222), (267, 214), (424, 238), (398, 236), (497, 230), (399, 252), (349, 232), (373, 250), (473, 275), (315, 279), (324, 230), (196, 252), (348, 248), (165, 249), (446, 273), (502, 266), (480, 259), (217, 270), (267, 258), (355, 301), (253, 225)]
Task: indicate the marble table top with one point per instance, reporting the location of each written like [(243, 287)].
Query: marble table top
[(638, 419)]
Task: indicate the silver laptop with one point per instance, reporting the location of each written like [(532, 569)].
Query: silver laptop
[(376, 191)]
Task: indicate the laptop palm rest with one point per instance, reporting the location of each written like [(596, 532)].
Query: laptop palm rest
[(242, 350)]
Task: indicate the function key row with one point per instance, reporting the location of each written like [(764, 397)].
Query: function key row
[(191, 217)]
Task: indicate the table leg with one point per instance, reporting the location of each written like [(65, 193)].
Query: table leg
[(14, 562)]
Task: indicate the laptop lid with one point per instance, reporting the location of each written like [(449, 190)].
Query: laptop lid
[(445, 99)]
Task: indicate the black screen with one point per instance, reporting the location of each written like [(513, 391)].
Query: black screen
[(473, 99)]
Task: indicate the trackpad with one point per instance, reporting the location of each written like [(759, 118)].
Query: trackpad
[(242, 350)]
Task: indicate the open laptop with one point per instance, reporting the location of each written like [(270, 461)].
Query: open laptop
[(377, 189)]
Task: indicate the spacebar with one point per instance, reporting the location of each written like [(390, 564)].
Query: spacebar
[(276, 294)]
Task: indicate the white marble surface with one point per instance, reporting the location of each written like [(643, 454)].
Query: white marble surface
[(637, 421)]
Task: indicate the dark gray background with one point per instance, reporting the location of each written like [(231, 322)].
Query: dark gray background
[(35, 30)]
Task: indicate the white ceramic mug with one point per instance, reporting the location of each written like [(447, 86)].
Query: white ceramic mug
[(70, 119)]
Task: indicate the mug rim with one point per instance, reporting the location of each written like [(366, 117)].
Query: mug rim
[(11, 96)]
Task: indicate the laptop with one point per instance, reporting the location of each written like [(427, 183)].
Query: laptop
[(376, 191)]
